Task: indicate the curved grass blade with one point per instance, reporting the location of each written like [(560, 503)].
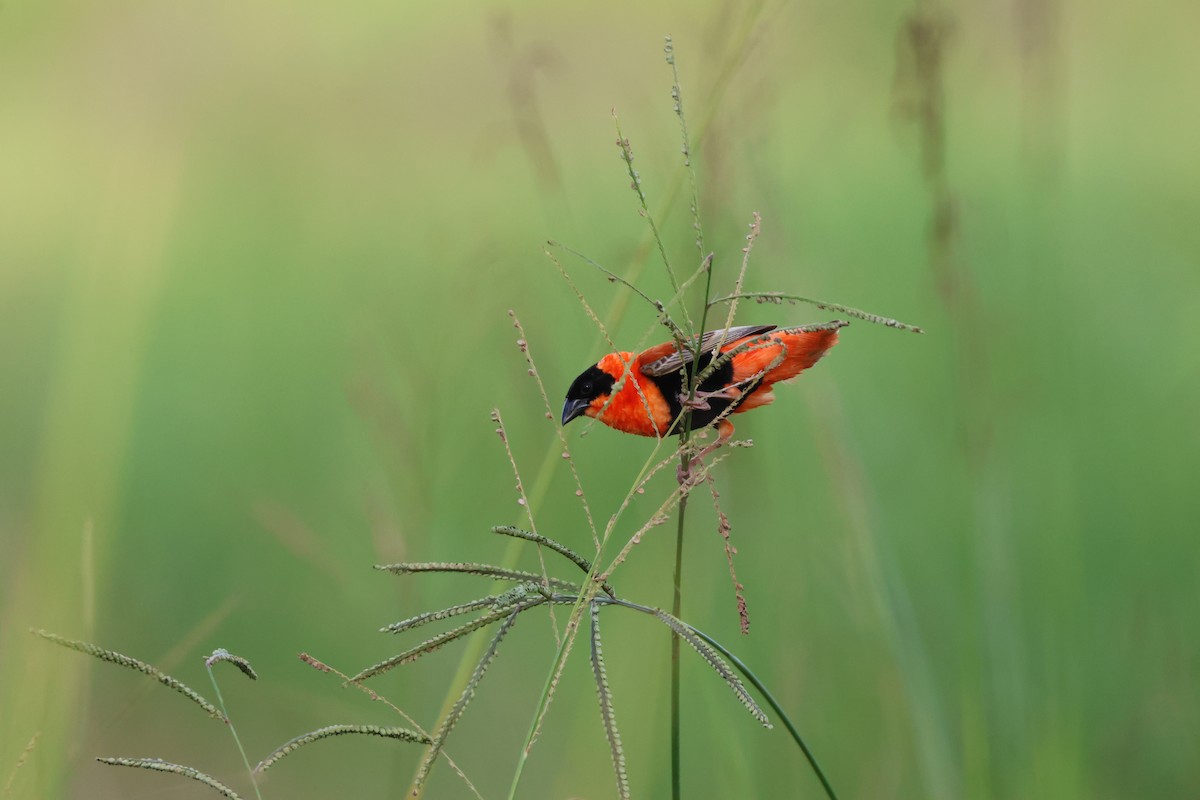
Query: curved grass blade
[(221, 654), (774, 704), (441, 640), (546, 541), (323, 667), (688, 634), (456, 712), (709, 654), (607, 715), (158, 765), (113, 657), (779, 297), (403, 734), (489, 570), (435, 616), (694, 635)]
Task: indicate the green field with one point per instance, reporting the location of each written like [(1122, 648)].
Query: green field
[(256, 264)]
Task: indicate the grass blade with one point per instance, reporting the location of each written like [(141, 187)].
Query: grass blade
[(500, 573), (441, 640), (403, 734), (114, 657), (221, 654), (774, 704), (456, 712), (436, 616), (546, 541), (779, 297), (719, 665), (607, 715), (158, 765)]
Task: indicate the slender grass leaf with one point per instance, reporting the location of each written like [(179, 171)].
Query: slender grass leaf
[(457, 710), (779, 297), (439, 641), (488, 570), (715, 661), (546, 541), (221, 654), (436, 616), (607, 715), (113, 657), (403, 734), (158, 765)]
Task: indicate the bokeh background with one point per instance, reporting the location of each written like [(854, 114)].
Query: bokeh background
[(255, 267)]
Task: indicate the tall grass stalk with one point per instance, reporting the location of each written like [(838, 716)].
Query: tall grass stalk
[(684, 456)]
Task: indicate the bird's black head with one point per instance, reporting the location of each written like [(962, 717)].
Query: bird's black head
[(592, 384)]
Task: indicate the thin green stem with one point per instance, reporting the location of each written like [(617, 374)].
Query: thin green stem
[(233, 730), (685, 458), (636, 183), (685, 467), (677, 96), (676, 610)]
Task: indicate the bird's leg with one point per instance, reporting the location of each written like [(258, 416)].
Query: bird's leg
[(724, 434)]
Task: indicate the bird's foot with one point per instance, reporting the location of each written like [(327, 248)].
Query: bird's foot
[(688, 473), (699, 401), (685, 471)]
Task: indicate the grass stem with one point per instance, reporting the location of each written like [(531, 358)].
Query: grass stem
[(676, 610)]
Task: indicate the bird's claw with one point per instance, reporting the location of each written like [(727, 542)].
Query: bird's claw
[(684, 472)]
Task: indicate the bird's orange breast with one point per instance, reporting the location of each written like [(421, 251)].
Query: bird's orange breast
[(638, 406)]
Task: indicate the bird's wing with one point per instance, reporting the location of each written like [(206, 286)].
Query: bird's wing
[(667, 358)]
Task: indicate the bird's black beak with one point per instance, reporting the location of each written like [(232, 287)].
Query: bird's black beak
[(574, 408)]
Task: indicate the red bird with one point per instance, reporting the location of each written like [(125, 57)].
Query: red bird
[(646, 393)]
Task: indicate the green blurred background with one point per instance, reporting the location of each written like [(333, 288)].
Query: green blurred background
[(255, 264)]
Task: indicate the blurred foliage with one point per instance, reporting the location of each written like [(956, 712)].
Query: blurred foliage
[(255, 263)]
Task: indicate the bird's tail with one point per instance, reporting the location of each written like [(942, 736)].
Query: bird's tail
[(804, 348)]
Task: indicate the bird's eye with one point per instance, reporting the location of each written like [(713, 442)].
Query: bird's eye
[(586, 388)]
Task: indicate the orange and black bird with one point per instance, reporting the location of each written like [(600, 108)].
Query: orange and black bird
[(646, 393)]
